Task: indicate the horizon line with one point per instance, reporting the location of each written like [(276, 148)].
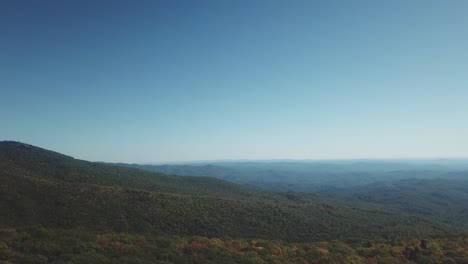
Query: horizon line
[(294, 160), (260, 160)]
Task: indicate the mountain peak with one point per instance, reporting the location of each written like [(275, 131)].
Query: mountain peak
[(16, 149), (14, 143)]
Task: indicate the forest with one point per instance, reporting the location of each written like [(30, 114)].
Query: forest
[(57, 209)]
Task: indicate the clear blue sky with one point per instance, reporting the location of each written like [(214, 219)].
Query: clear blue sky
[(155, 81)]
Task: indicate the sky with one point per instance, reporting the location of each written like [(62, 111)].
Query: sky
[(165, 81)]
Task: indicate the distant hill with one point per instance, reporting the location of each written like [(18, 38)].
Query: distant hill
[(41, 163), (437, 189), (444, 198), (44, 188), (313, 176)]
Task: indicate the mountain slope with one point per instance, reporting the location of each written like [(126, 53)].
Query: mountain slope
[(44, 188), (16, 157), (445, 198), (309, 176)]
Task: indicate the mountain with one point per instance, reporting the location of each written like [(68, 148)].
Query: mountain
[(313, 176), (444, 198), (45, 188), (16, 157), (437, 189), (57, 209)]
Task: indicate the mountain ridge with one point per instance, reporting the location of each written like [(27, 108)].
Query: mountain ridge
[(46, 188)]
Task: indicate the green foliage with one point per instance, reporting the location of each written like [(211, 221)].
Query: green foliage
[(39, 245), (44, 188), (56, 209), (443, 199)]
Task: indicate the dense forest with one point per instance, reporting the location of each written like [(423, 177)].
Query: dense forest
[(425, 188), (41, 245), (57, 209)]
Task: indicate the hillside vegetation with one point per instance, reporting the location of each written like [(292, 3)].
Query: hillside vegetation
[(57, 209), (51, 190), (77, 246), (435, 189)]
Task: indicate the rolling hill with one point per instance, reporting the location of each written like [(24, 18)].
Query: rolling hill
[(45, 188), (57, 209), (313, 176)]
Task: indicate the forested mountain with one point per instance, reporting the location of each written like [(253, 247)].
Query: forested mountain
[(53, 190), (314, 176), (445, 199), (116, 214), (434, 188), (27, 160)]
